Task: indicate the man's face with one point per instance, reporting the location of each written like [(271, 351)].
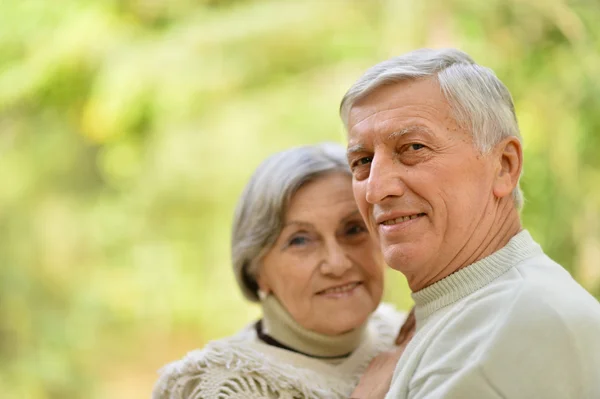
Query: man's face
[(419, 181)]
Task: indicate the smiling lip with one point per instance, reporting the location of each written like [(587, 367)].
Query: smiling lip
[(392, 220), (340, 290)]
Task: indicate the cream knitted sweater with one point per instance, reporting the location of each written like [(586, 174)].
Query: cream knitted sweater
[(244, 367), (512, 325)]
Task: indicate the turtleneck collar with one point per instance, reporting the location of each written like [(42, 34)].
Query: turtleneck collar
[(278, 324), (475, 276)]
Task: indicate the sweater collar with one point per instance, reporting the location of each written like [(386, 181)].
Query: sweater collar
[(475, 276), (281, 326)]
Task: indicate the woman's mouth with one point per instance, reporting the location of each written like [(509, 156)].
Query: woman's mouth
[(340, 290)]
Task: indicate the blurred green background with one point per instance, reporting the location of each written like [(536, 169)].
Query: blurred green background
[(128, 129)]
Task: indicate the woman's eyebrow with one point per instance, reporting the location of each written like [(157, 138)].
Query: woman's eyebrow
[(297, 223), (351, 215)]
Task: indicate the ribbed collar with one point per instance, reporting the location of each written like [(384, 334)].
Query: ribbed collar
[(475, 276), (281, 326)]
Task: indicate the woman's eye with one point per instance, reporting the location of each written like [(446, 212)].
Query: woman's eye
[(355, 229), (300, 240)]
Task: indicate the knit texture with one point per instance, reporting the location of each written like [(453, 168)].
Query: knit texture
[(475, 276), (512, 325), (242, 366)]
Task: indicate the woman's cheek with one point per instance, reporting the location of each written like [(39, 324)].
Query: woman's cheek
[(372, 262)]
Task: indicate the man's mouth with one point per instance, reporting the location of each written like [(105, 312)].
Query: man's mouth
[(402, 219)]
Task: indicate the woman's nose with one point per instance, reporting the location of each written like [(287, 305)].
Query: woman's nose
[(336, 261)]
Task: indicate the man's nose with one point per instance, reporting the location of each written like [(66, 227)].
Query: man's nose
[(385, 179)]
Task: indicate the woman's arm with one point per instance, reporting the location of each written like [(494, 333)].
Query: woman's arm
[(376, 380)]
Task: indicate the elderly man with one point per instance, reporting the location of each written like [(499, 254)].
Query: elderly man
[(436, 154)]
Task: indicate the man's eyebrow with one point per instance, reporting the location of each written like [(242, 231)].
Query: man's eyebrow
[(391, 137), (354, 149), (407, 130)]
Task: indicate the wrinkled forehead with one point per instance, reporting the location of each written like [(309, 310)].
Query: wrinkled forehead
[(404, 98), (414, 108)]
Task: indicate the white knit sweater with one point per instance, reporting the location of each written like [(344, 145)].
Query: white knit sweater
[(512, 325), (243, 367)]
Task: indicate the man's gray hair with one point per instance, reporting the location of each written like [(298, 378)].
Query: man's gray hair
[(261, 209), (479, 101)]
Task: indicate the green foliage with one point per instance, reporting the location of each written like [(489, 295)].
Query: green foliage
[(128, 129)]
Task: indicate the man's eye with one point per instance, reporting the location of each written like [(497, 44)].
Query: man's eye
[(415, 146), (363, 161)]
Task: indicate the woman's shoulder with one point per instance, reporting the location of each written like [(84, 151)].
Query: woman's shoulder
[(382, 329), (387, 320), (241, 367), (213, 371)]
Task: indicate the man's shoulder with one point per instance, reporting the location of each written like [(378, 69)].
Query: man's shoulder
[(546, 288), (537, 285), (532, 298), (532, 325)]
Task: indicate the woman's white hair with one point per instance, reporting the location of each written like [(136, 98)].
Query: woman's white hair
[(261, 209), (479, 100)]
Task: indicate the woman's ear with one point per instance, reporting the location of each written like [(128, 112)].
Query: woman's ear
[(509, 154), (262, 282)]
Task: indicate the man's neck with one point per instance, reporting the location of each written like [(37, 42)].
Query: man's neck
[(485, 240)]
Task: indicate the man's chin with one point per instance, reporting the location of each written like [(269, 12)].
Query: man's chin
[(405, 257)]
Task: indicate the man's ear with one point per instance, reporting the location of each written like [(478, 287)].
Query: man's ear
[(509, 154)]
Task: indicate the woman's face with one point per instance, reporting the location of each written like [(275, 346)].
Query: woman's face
[(324, 267)]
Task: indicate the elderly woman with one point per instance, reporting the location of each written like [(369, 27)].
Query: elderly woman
[(301, 250)]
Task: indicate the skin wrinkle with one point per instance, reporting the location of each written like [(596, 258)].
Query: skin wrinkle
[(392, 136), (458, 174), (334, 249), (420, 111), (413, 129), (507, 226), (416, 127), (482, 250), (491, 240)]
